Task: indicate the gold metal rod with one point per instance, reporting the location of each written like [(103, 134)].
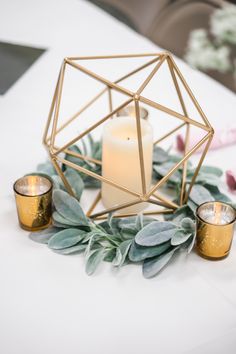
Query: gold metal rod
[(165, 178), (198, 168), (177, 86), (151, 212), (52, 140), (116, 208), (61, 174), (165, 200), (140, 147), (101, 79), (150, 76), (98, 177), (173, 113), (196, 104), (185, 166), (110, 99), (78, 137), (88, 104), (156, 202), (137, 70), (82, 157), (51, 111), (168, 134), (94, 204), (116, 56)]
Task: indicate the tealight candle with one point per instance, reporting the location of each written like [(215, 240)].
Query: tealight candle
[(121, 163), (215, 229), (33, 200)]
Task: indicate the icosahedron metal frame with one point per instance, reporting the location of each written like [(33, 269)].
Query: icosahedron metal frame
[(150, 196)]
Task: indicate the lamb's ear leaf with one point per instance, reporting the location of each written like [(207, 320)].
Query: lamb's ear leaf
[(155, 233), (200, 194), (138, 253), (94, 258), (153, 266), (180, 237), (69, 207), (66, 238), (44, 235), (75, 181)]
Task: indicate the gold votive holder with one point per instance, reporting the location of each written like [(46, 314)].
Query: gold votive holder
[(215, 229), (33, 196), (130, 111)]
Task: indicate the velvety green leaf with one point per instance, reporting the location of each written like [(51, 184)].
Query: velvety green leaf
[(74, 159), (153, 266), (59, 225), (191, 245), (180, 237), (192, 206), (57, 218), (210, 179), (200, 194), (44, 235), (165, 168), (138, 253), (127, 235), (46, 168), (159, 155), (155, 233), (94, 259), (128, 225), (216, 193), (139, 222), (75, 181), (57, 182), (90, 235), (117, 260), (188, 225), (69, 207), (91, 182), (105, 227), (122, 252), (66, 238), (180, 214), (71, 250), (110, 255), (211, 170)]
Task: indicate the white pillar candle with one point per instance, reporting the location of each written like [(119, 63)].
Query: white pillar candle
[(121, 163)]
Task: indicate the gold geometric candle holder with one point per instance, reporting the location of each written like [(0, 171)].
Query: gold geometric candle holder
[(136, 97)]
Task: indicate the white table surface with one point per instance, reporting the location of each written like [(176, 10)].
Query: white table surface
[(47, 302)]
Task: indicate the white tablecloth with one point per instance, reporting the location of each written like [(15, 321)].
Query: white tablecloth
[(47, 302)]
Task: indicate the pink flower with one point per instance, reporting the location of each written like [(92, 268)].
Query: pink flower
[(231, 180), (180, 143)]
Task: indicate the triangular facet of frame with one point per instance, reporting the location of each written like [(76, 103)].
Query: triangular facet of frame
[(168, 78), (171, 173), (120, 70), (71, 127), (194, 110)]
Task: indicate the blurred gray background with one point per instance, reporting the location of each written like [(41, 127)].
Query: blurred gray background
[(168, 23)]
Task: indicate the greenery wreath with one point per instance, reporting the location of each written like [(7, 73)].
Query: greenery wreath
[(137, 239)]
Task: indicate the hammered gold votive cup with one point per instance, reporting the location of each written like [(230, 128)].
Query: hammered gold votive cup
[(33, 196), (215, 228)]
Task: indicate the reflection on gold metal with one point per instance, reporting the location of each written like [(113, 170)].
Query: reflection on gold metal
[(33, 196), (132, 99), (215, 229)]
